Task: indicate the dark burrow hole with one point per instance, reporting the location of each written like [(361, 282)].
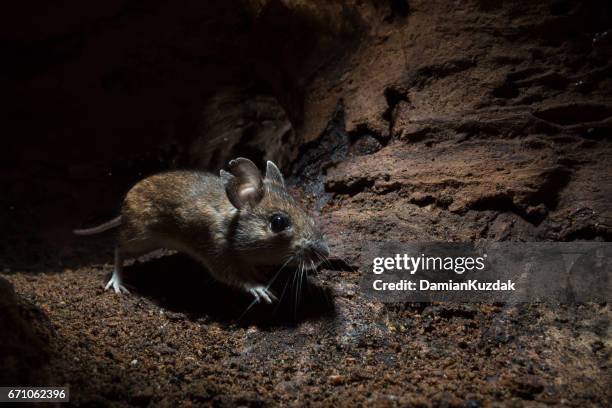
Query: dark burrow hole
[(393, 96), (365, 141), (504, 203), (399, 9), (556, 180), (352, 189), (181, 285), (575, 113), (364, 145), (589, 233), (506, 91)]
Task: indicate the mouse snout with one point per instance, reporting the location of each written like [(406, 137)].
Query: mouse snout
[(320, 247), (314, 252), (317, 247)]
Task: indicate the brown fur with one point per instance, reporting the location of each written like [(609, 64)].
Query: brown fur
[(196, 213)]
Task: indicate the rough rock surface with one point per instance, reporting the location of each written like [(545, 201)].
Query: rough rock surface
[(420, 120)]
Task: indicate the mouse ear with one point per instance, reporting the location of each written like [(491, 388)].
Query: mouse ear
[(274, 175), (244, 186)]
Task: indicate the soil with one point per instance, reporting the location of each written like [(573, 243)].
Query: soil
[(407, 121), (175, 342)]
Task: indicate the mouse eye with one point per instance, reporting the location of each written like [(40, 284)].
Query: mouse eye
[(279, 222)]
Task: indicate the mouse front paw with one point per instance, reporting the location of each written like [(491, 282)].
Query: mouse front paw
[(262, 292)]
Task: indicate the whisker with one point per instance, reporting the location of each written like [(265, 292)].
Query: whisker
[(322, 258), (267, 287), (351, 268), (278, 273), (325, 260), (300, 283), (247, 309), (280, 300), (294, 287)]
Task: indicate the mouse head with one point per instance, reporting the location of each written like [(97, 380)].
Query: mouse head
[(270, 228)]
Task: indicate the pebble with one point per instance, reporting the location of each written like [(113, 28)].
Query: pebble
[(336, 379)]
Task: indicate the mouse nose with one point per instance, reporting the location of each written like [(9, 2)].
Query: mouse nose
[(321, 248)]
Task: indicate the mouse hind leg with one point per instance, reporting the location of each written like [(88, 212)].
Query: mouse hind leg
[(116, 280), (129, 248)]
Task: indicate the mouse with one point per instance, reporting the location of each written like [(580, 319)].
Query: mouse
[(239, 225)]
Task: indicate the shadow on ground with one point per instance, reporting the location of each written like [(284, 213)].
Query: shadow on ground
[(179, 284)]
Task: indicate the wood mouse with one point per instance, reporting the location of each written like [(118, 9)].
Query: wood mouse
[(237, 224)]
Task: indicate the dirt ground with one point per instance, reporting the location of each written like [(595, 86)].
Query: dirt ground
[(410, 121), (178, 341)]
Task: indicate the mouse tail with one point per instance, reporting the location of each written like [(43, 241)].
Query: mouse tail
[(114, 223)]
